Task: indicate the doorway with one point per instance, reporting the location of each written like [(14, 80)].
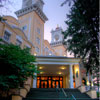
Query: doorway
[(49, 82)]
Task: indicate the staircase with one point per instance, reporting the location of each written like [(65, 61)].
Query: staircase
[(56, 94), (77, 94)]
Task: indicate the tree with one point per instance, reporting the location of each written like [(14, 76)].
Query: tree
[(15, 65), (6, 6), (83, 32)]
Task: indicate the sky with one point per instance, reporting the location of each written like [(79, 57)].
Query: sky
[(52, 9)]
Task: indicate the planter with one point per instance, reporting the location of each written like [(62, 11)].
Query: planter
[(82, 89), (16, 97), (92, 93)]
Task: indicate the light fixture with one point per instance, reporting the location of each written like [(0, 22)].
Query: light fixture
[(54, 79), (50, 54), (41, 72), (59, 73), (88, 83), (35, 54), (77, 73), (92, 84), (63, 68), (40, 67)]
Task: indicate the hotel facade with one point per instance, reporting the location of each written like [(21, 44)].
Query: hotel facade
[(56, 68)]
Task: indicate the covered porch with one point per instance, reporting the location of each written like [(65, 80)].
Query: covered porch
[(57, 72)]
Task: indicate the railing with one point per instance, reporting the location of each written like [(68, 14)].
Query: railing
[(73, 97), (68, 96), (64, 92)]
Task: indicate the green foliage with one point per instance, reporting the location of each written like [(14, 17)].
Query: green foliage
[(98, 94), (15, 66), (83, 31)]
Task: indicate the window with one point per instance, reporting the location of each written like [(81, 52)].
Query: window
[(37, 50), (18, 42), (7, 36), (28, 46), (24, 28), (38, 40), (38, 30)]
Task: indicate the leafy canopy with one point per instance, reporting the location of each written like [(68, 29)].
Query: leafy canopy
[(83, 31), (15, 66)]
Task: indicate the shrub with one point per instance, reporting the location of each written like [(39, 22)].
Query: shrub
[(15, 66)]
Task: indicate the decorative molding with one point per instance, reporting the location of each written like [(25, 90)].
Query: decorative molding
[(30, 9), (56, 43), (56, 63), (57, 60), (29, 33)]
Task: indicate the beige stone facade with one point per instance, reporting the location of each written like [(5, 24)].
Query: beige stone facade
[(10, 32), (28, 31)]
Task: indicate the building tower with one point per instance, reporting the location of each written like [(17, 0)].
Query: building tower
[(56, 35), (32, 19), (56, 41)]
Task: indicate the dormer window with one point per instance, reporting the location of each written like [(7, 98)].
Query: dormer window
[(7, 35)]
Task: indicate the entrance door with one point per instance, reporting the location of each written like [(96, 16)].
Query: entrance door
[(55, 84), (49, 82), (43, 84)]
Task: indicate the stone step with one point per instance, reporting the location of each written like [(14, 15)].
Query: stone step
[(54, 94)]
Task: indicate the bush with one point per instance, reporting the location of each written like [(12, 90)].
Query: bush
[(98, 94), (15, 66)]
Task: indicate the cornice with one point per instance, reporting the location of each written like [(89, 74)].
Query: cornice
[(56, 43), (57, 59), (29, 9)]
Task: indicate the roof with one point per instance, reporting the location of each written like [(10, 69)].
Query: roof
[(11, 19), (57, 60), (31, 8), (57, 57)]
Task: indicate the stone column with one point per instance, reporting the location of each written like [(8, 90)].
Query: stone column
[(88, 83), (80, 75), (35, 79), (92, 80), (71, 76)]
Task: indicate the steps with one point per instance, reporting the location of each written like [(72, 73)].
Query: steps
[(77, 94), (56, 94), (41, 94)]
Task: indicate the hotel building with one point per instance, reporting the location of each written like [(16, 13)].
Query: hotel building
[(56, 68)]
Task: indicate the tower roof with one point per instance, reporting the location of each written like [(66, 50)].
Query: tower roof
[(31, 8), (56, 29)]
